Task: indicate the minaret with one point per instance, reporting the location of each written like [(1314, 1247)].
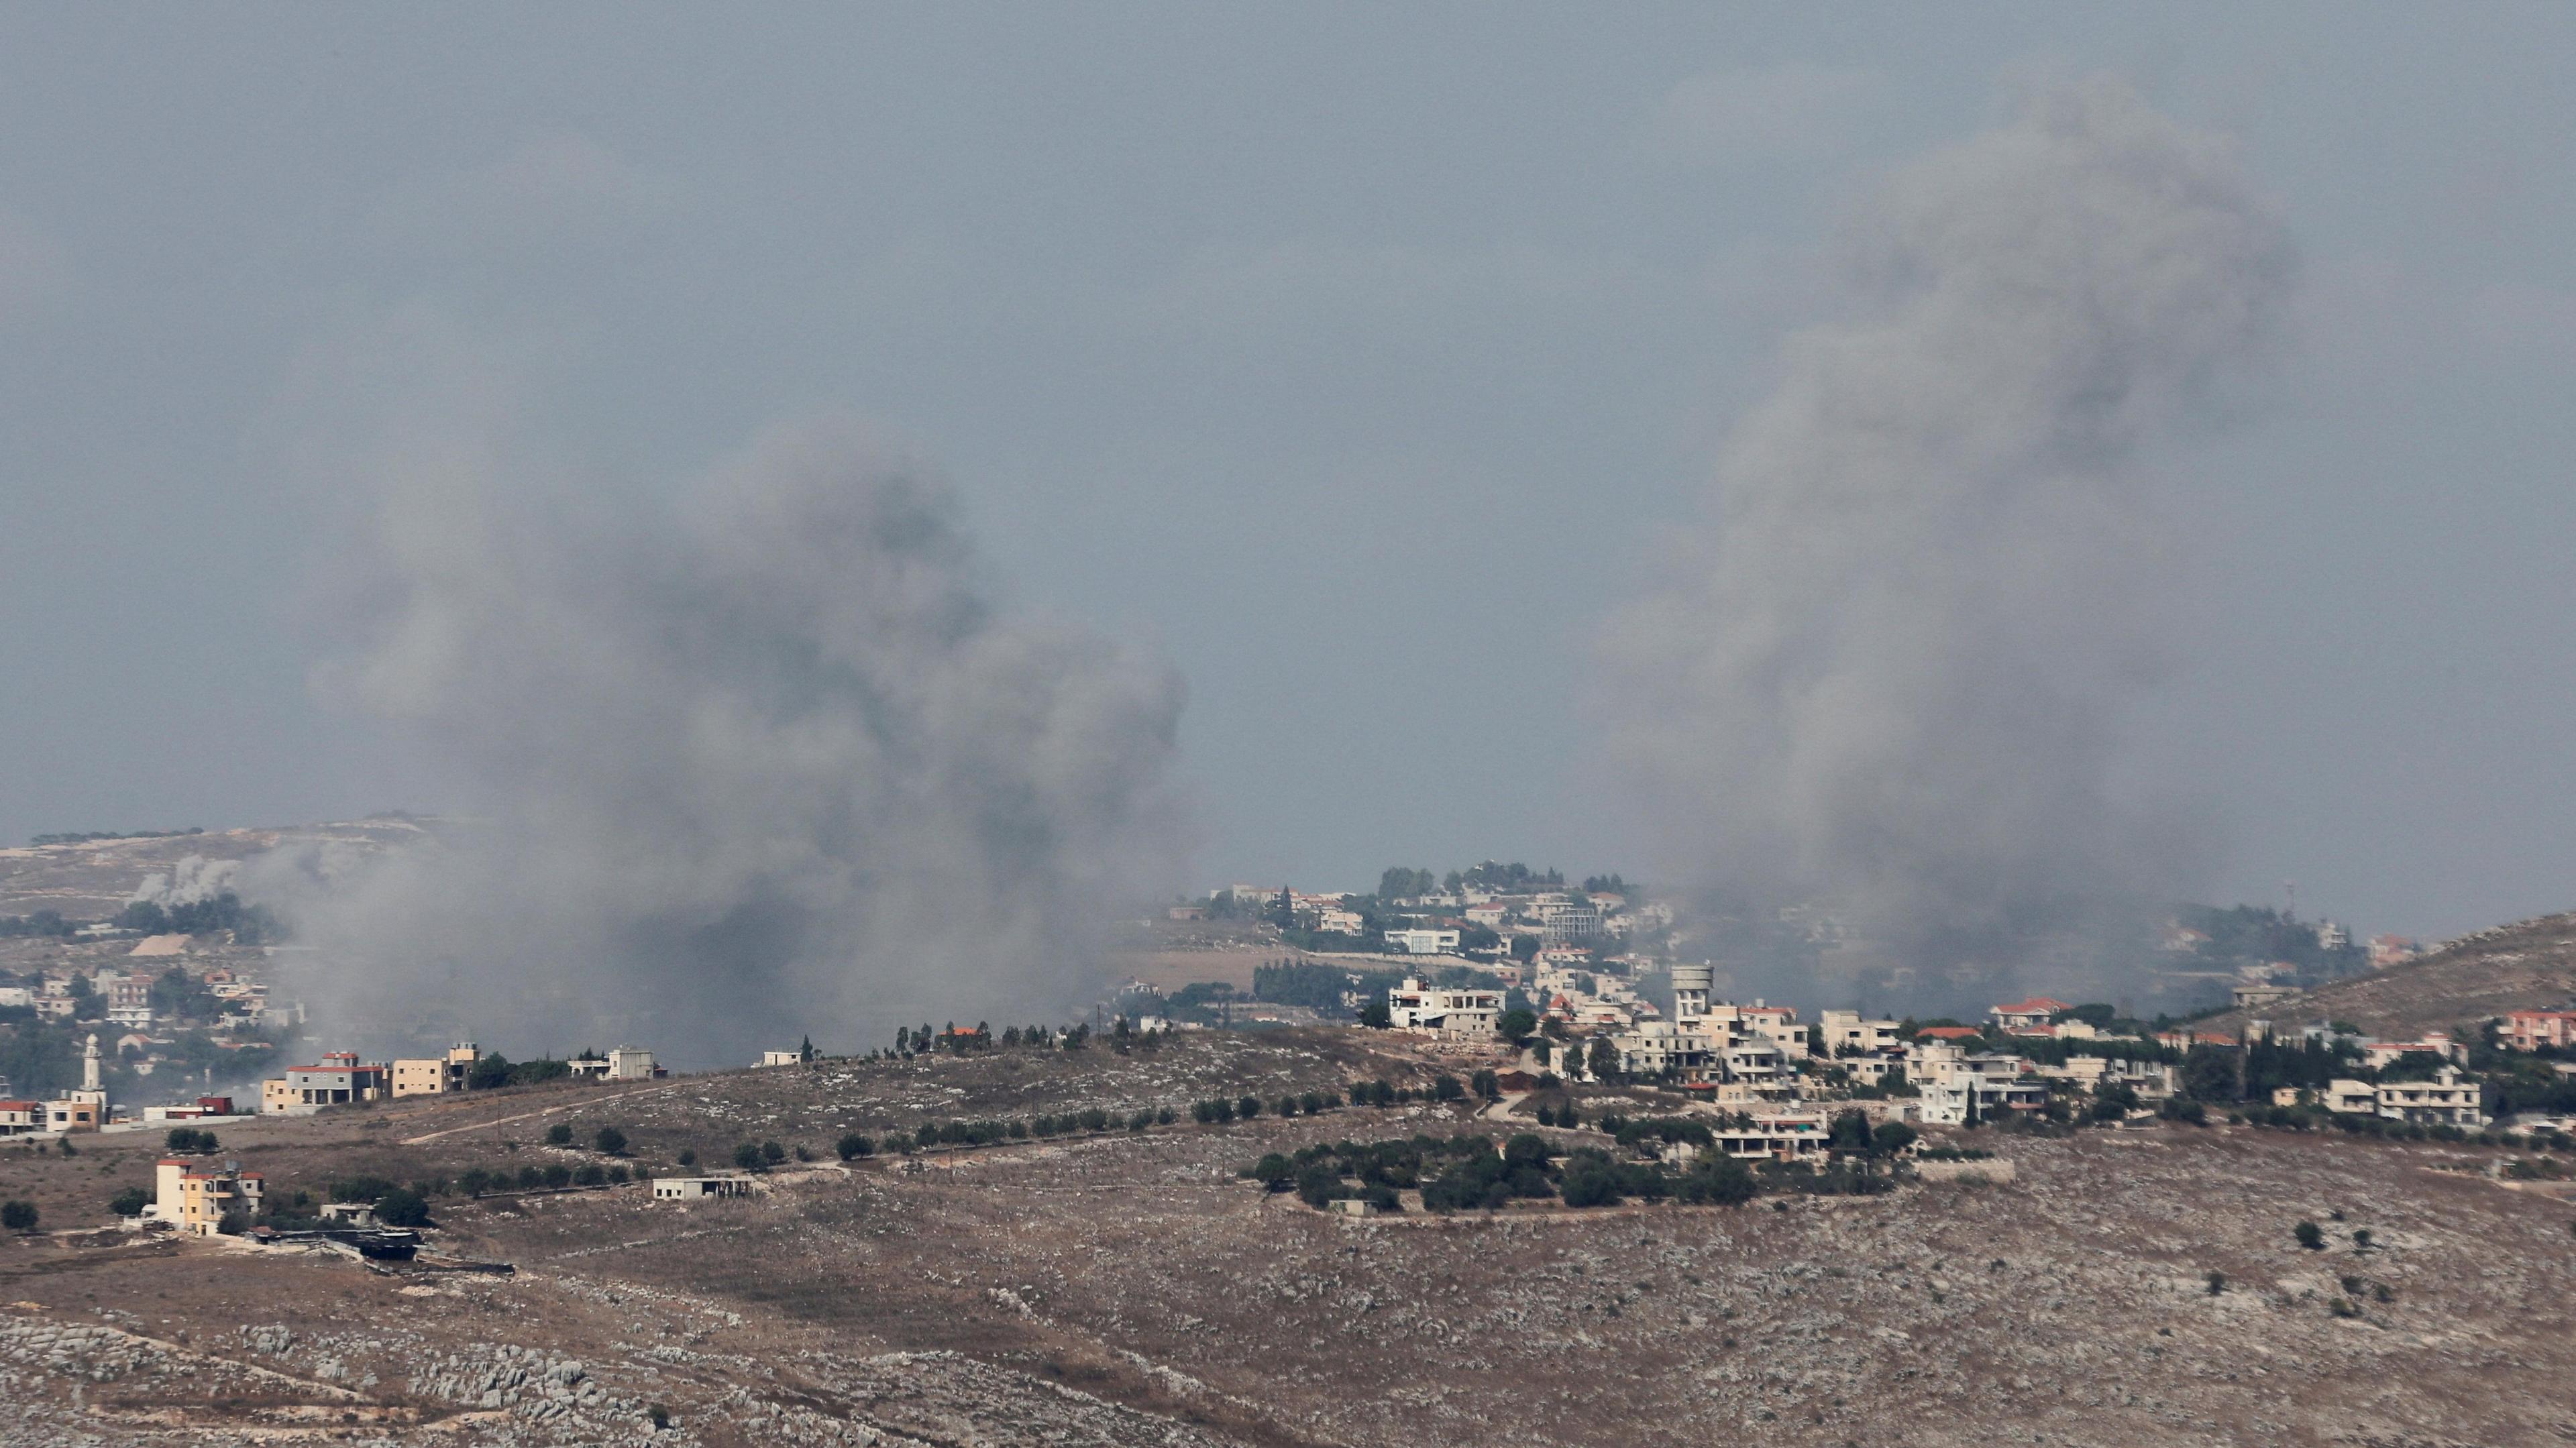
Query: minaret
[(89, 1064)]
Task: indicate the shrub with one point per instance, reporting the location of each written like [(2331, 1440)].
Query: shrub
[(558, 1176), (1248, 1108), (612, 1142), (1312, 1103), (1285, 1106), (617, 1176), (1166, 1116), (852, 1146), (189, 1139), (590, 1174), (530, 1178), (771, 1153), (559, 1134), (361, 1189), (2217, 1283), (1140, 1121), (475, 1182), (129, 1202), (1095, 1119), (747, 1156), (2310, 1235), (803, 1153), (1446, 1088), (1274, 1171), (2361, 1239), (689, 1156), (403, 1207)]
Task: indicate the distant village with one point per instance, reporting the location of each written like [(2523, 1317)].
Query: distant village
[(1538, 992)]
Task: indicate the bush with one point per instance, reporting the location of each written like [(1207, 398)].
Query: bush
[(1095, 1119), (530, 1178), (1274, 1171), (2217, 1283), (475, 1182), (1446, 1088), (1248, 1108), (612, 1142), (771, 1153), (189, 1139), (129, 1202), (403, 1207), (2310, 1235), (747, 1156), (852, 1146), (689, 1156), (1166, 1116), (558, 1176), (590, 1174), (1140, 1121), (361, 1189), (617, 1176), (559, 1134)]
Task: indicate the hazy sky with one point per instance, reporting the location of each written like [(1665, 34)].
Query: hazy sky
[(1351, 359)]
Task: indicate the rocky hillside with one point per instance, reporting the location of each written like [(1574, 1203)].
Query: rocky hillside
[(2528, 964)]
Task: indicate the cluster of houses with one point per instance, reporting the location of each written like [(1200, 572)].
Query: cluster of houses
[(1760, 1060), (1436, 922), (338, 1078)]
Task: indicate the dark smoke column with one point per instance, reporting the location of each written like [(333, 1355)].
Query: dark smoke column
[(1887, 672), (764, 765)]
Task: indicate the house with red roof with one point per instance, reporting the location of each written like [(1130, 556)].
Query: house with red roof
[(2037, 1011)]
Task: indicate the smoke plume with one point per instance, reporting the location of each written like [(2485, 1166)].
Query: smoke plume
[(1887, 676), (769, 766)]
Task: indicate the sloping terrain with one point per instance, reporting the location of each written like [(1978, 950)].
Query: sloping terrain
[(1131, 1288), (2528, 965), (93, 879)]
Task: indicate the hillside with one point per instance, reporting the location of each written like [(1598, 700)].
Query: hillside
[(2522, 966), (1130, 1288)]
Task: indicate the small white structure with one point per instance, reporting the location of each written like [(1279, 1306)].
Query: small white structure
[(782, 1058), (1421, 942), (699, 1188)]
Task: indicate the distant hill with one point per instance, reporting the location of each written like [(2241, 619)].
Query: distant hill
[(92, 878), (2523, 966)]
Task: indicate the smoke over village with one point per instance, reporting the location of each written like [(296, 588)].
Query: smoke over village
[(1217, 727)]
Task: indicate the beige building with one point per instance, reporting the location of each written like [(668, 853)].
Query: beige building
[(435, 1075), (1849, 1033), (193, 1196)]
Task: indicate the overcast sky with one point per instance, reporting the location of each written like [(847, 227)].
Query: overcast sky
[(1349, 358)]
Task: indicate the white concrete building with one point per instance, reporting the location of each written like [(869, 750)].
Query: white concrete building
[(1413, 1006), (1421, 942)]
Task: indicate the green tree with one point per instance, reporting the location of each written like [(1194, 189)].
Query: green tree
[(1376, 1015), (2310, 1235), (612, 1142), (129, 1202), (559, 1134), (1604, 1060), (771, 1153), (747, 1156), (402, 1207), (852, 1146), (1275, 1171), (1525, 948), (1517, 1024), (493, 1070), (558, 1176), (589, 1174)]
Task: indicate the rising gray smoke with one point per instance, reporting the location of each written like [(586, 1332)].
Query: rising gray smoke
[(773, 766), (1888, 675)]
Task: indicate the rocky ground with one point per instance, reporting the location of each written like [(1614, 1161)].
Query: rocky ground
[(1132, 1288)]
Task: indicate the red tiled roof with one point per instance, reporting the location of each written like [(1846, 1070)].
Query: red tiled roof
[(1948, 1033), (2035, 1004)]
